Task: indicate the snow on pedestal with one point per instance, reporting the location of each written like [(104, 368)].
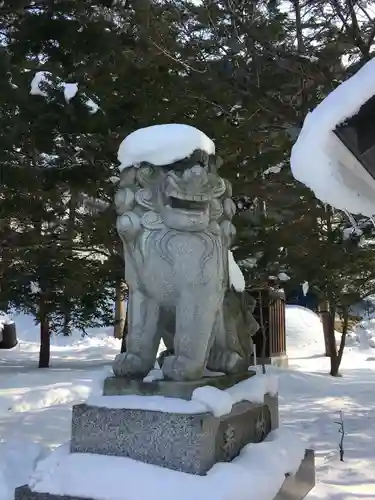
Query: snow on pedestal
[(204, 399), (162, 145), (18, 459), (258, 472), (322, 162)]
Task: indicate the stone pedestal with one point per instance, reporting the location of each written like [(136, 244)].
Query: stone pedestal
[(122, 386), (184, 441), (190, 443)]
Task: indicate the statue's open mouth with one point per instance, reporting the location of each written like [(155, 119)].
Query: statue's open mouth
[(188, 204)]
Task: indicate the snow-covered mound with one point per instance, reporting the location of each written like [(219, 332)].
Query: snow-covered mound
[(162, 145), (17, 462), (321, 162), (259, 468), (363, 335), (97, 347), (304, 330)]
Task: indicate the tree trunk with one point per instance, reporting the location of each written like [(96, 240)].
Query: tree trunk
[(345, 325), (120, 310), (325, 316), (66, 326), (70, 229), (332, 350), (44, 352)]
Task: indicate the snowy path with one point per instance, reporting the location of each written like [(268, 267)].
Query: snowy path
[(311, 402), (9, 367), (37, 403)]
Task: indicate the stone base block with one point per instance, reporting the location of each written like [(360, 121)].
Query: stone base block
[(120, 386), (294, 487), (190, 443)]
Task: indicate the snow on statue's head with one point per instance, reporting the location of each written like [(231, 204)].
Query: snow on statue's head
[(330, 162), (169, 177)]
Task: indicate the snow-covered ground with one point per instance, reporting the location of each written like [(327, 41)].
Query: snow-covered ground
[(35, 405)]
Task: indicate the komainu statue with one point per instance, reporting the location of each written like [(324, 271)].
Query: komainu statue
[(174, 221)]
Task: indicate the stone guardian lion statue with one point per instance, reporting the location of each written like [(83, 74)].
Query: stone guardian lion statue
[(175, 224)]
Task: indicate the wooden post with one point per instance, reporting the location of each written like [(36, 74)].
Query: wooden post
[(270, 311)]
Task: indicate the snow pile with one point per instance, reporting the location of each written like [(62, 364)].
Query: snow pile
[(162, 145), (216, 400), (28, 333), (254, 389), (259, 470), (17, 462), (70, 90), (25, 392), (204, 399), (322, 163), (363, 335), (310, 402), (236, 278), (304, 330)]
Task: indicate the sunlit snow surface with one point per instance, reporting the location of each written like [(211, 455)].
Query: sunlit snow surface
[(35, 407)]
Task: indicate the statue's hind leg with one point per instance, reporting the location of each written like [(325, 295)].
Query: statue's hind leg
[(225, 351), (143, 339)]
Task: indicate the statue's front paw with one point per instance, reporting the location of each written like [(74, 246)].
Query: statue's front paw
[(181, 368), (127, 365)]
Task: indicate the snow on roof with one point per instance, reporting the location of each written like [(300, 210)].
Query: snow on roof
[(321, 162), (162, 145)]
